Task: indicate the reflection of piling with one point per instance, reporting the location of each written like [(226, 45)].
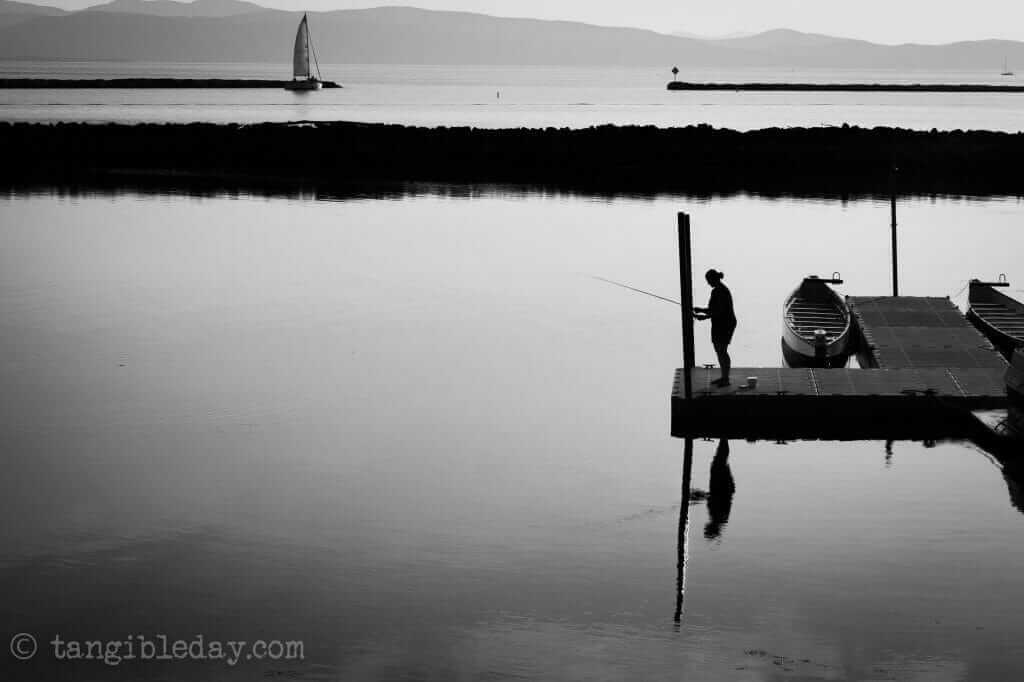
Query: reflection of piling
[(684, 528), (686, 302), (892, 207)]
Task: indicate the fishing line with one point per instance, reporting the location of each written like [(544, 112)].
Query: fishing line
[(639, 291)]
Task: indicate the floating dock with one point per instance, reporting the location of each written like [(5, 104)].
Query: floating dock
[(918, 332), (924, 368), (836, 403)]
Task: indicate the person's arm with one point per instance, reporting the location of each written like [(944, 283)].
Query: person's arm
[(704, 313), (713, 305)]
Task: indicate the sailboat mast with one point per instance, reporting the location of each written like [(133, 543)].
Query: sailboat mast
[(305, 20), (312, 49)]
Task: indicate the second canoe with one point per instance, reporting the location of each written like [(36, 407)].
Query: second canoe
[(996, 315)]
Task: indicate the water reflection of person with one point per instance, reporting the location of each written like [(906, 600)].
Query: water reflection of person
[(720, 491), (723, 321)]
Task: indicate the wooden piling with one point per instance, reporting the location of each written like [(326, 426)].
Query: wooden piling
[(686, 302), (895, 260)]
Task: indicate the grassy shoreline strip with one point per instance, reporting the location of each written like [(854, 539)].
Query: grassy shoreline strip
[(695, 159)]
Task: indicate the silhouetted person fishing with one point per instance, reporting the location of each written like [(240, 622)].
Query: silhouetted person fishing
[(720, 491), (723, 321)]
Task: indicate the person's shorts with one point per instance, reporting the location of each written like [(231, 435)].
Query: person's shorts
[(722, 336)]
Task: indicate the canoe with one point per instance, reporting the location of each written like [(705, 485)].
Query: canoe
[(1015, 377), (816, 325), (996, 315)]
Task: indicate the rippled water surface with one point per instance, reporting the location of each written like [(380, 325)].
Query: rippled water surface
[(414, 433), (502, 97)]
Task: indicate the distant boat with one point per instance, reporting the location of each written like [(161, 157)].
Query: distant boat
[(816, 325), (302, 73), (1006, 70), (996, 315)]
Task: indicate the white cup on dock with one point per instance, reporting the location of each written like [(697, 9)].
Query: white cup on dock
[(751, 382)]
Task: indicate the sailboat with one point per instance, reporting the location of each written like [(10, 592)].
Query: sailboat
[(1006, 70), (302, 74)]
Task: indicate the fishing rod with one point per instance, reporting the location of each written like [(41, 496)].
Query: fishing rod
[(639, 291)]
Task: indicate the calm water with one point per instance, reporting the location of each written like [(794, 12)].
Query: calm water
[(416, 435), (529, 96)]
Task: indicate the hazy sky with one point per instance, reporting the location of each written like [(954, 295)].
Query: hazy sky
[(889, 21)]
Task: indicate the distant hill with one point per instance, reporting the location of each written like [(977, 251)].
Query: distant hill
[(702, 36), (385, 35), (11, 7), (16, 12), (786, 47), (786, 39), (173, 8), (238, 31)]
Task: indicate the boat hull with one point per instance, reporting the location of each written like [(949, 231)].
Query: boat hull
[(304, 86), (814, 305), (997, 316), (837, 357), (1002, 341), (1015, 378)]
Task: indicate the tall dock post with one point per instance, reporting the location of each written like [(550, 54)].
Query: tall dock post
[(895, 260), (686, 302)]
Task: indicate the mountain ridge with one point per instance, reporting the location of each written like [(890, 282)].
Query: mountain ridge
[(380, 35), (241, 31), (15, 7), (176, 8), (12, 12)]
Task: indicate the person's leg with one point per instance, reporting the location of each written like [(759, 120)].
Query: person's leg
[(724, 361)]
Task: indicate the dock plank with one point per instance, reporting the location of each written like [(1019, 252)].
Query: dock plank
[(980, 381), (899, 332), (953, 383)]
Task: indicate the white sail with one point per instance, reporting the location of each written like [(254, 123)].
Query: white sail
[(301, 61)]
